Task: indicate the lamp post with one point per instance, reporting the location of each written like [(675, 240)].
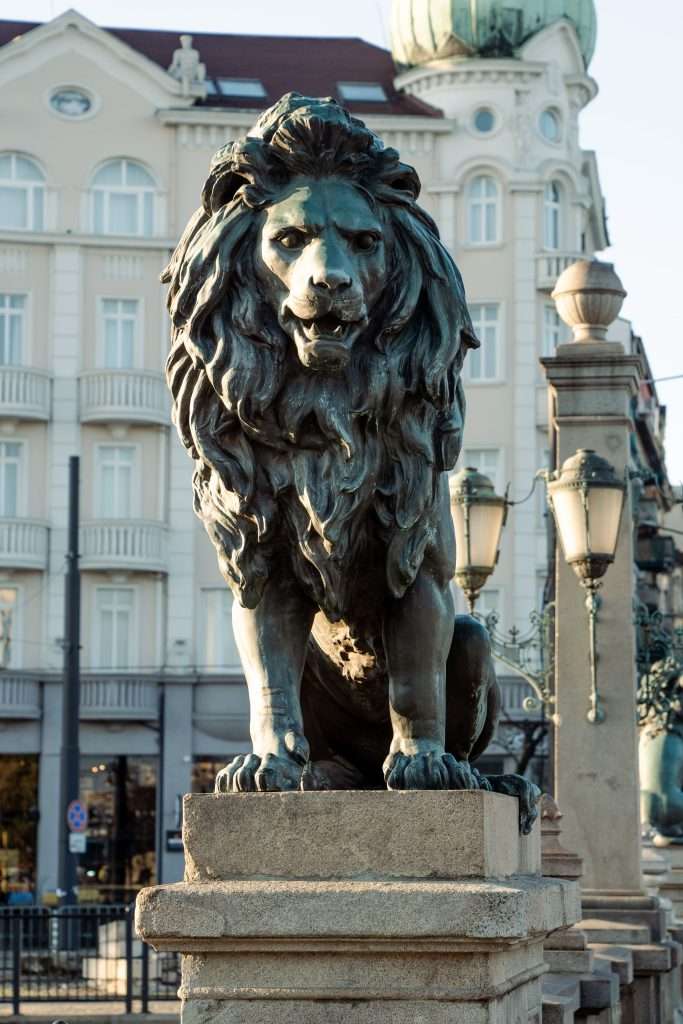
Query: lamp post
[(587, 499), (478, 517)]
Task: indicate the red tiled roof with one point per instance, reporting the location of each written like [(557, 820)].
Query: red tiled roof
[(310, 65)]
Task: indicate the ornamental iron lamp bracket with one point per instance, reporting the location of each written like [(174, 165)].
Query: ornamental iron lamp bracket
[(529, 654)]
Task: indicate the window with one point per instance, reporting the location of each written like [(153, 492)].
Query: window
[(487, 461), (553, 330), (12, 327), (116, 465), (362, 92), (8, 627), (247, 87), (484, 120), (552, 215), (220, 650), (119, 331), (22, 194), (482, 201), (10, 478), (483, 363), (114, 627), (123, 196), (550, 125)]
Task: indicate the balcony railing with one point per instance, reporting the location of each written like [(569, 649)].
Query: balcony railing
[(19, 696), (124, 544), (23, 544), (133, 396), (24, 393), (122, 697), (549, 266)]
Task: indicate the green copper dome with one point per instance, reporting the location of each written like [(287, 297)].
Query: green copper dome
[(425, 30)]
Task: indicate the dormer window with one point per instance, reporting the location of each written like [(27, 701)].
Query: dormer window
[(249, 88), (362, 92)]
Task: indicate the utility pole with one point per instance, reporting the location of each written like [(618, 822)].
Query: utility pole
[(71, 697)]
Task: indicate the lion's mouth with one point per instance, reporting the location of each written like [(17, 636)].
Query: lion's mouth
[(329, 326)]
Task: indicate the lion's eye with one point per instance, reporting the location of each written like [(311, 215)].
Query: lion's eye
[(365, 241), (292, 240)]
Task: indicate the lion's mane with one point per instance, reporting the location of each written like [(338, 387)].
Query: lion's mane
[(299, 459)]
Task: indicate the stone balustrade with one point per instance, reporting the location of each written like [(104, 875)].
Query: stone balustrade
[(122, 697), (549, 266), (23, 544), (19, 696), (24, 393), (124, 544), (133, 396)]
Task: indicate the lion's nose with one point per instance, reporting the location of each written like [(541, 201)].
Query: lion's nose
[(330, 278)]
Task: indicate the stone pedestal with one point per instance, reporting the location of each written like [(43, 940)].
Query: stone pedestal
[(358, 907)]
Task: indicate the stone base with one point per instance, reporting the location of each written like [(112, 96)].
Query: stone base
[(358, 908)]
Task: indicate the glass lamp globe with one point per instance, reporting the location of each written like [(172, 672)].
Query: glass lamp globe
[(478, 517), (587, 499)]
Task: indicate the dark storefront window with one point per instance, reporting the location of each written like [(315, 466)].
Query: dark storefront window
[(120, 794), (18, 828)]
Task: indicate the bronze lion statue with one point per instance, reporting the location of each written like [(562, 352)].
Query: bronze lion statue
[(319, 329)]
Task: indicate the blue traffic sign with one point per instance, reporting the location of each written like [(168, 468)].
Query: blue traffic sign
[(77, 816)]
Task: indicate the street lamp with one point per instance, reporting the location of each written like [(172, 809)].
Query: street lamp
[(478, 517), (587, 499)]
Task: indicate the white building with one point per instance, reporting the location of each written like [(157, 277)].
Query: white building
[(102, 157)]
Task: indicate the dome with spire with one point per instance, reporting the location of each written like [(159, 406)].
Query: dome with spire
[(427, 30)]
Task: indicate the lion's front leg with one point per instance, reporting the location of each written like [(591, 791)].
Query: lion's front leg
[(418, 630), (272, 640)]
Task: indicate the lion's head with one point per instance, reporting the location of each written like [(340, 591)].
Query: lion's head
[(319, 329)]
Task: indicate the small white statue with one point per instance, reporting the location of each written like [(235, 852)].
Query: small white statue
[(187, 67)]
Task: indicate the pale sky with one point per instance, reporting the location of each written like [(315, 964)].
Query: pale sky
[(634, 125)]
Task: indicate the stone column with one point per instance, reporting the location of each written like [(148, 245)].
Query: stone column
[(592, 382), (358, 908)]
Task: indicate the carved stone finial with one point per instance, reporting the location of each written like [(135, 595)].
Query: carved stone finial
[(556, 861), (589, 296)]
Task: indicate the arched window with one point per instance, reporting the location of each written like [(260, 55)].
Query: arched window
[(123, 194), (552, 218), (483, 214), (22, 193)]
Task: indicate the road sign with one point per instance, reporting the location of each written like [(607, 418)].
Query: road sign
[(77, 816), (77, 842)]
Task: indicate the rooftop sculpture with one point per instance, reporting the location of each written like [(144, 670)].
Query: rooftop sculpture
[(319, 331)]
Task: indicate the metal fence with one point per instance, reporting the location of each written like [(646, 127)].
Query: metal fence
[(81, 954)]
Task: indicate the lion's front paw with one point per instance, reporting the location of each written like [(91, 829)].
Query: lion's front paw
[(430, 770), (249, 773)]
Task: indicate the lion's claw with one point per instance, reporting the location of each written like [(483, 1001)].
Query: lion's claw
[(427, 771), (249, 773)]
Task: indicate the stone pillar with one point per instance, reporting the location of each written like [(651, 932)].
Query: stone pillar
[(592, 382), (358, 908)]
